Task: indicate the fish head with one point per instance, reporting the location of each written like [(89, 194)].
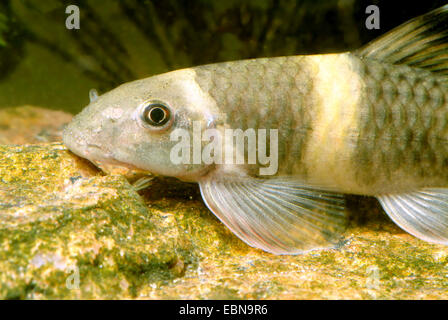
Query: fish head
[(137, 125)]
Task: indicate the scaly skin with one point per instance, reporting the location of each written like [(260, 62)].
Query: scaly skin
[(355, 125)]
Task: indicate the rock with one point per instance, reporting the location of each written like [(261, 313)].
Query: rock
[(62, 220), (69, 231), (29, 124)]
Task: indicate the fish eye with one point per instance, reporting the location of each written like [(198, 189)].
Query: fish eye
[(156, 114)]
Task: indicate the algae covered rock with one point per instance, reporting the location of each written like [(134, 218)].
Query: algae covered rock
[(69, 231)]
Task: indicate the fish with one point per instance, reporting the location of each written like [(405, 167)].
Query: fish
[(371, 122)]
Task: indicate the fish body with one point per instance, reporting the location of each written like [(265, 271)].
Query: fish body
[(360, 125), (370, 122)]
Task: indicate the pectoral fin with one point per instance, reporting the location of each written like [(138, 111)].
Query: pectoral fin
[(281, 216), (423, 214), (143, 183)]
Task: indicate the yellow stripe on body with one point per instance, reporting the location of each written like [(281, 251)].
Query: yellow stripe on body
[(337, 93)]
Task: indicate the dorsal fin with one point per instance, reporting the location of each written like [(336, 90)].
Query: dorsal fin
[(421, 42)]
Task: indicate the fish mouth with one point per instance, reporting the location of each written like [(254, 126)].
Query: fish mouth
[(93, 152), (98, 156), (97, 153)]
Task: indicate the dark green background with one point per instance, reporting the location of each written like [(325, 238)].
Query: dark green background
[(44, 64)]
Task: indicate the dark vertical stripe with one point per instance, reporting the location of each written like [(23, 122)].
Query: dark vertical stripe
[(403, 133), (267, 93)]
